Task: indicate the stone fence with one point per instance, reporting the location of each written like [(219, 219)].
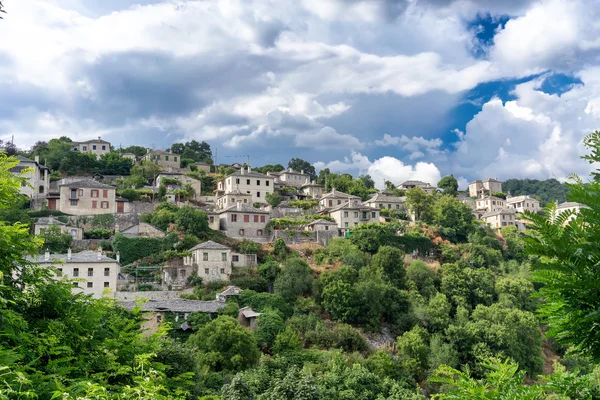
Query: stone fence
[(294, 236), (151, 295)]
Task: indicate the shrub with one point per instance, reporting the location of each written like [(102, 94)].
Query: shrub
[(130, 194), (97, 234)]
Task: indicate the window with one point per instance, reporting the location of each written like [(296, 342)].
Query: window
[(222, 270), (235, 258), (330, 203), (245, 201), (205, 271), (158, 318), (247, 181), (262, 218), (75, 272), (258, 182), (345, 214), (241, 232), (211, 219), (74, 148), (80, 192), (94, 193), (182, 273), (246, 218), (104, 204), (94, 204), (356, 224), (59, 272), (94, 147), (259, 232), (103, 147), (223, 256), (204, 256), (106, 284), (267, 183), (90, 284), (105, 193), (326, 227), (84, 148), (257, 194), (373, 214), (237, 180), (174, 158), (356, 214), (233, 217), (339, 202), (381, 206), (90, 271), (75, 284), (166, 158), (364, 215), (345, 224), (255, 218)]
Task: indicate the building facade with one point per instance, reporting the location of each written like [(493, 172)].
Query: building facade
[(45, 222), (313, 190), (424, 186), (385, 199), (336, 198), (570, 206), (36, 183), (143, 230), (350, 215), (490, 204), (246, 181), (481, 188), (86, 197), (213, 262), (499, 219), (523, 203), (166, 160), (243, 221), (231, 198), (95, 146), (96, 273), (183, 179)]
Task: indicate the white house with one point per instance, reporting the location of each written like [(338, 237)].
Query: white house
[(289, 177), (490, 204), (312, 189), (37, 179), (95, 146), (523, 203), (95, 272), (246, 181), (489, 186), (385, 199), (424, 186), (336, 198), (353, 214), (570, 206), (500, 218)]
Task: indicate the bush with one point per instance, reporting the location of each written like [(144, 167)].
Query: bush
[(104, 221), (264, 301), (130, 194), (294, 280), (97, 234), (132, 249), (45, 213), (269, 324)]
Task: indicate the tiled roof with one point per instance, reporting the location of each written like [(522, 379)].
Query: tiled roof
[(418, 183), (92, 141), (248, 312), (498, 212), (29, 160), (48, 221), (386, 197), (177, 305), (348, 206), (247, 208), (517, 199), (568, 204), (251, 173), (88, 183), (87, 256), (210, 245), (322, 222), (339, 194)]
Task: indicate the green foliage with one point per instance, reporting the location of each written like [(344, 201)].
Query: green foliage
[(545, 191), (193, 150), (449, 185), (130, 194), (268, 325), (268, 168), (501, 195), (304, 204), (97, 234), (287, 341), (192, 221), (423, 278), (413, 350), (419, 204), (298, 164), (139, 151), (45, 213), (339, 300), (389, 263), (248, 247), (467, 286), (223, 344), (132, 249), (515, 245), (294, 280), (55, 240), (103, 221), (146, 169), (265, 301), (453, 218), (113, 164), (370, 237), (274, 199)]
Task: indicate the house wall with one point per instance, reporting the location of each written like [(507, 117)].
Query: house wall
[(386, 203), (346, 219), (315, 192), (143, 230), (168, 161), (96, 147), (38, 179), (500, 221), (75, 232), (216, 267), (100, 282), (85, 201), (230, 199), (492, 186), (253, 230), (524, 205), (184, 179), (474, 188), (258, 187), (494, 204), (202, 167)]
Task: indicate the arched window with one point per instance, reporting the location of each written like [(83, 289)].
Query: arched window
[(41, 189)]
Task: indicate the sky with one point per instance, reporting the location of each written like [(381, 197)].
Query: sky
[(398, 89)]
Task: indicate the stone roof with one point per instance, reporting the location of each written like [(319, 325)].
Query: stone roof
[(322, 222), (48, 221), (517, 199), (251, 174), (177, 305), (161, 152), (29, 160), (336, 194), (246, 208), (491, 180), (87, 256), (92, 141), (88, 183), (568, 204), (386, 197), (209, 245), (417, 183), (348, 206), (312, 184), (248, 312), (498, 212)]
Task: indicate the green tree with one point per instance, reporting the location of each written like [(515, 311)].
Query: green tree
[(454, 218), (299, 164), (223, 344), (194, 150), (268, 325), (419, 204), (389, 263), (274, 199), (139, 151), (339, 300), (370, 237), (113, 164), (294, 280), (130, 194), (413, 351), (55, 240), (192, 220), (449, 185), (423, 278), (367, 181), (146, 169)]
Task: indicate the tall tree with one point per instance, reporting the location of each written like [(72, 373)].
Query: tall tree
[(419, 204), (8, 147), (193, 150), (449, 185), (299, 164)]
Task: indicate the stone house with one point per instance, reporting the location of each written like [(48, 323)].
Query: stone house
[(95, 146), (166, 160), (289, 177), (37, 180), (183, 179), (312, 189), (523, 203), (489, 186), (490, 204), (96, 272), (243, 221), (321, 225), (45, 222), (231, 198), (246, 181), (570, 206), (202, 166), (86, 197), (385, 199), (336, 198), (143, 230), (130, 156), (247, 317), (351, 214), (424, 186), (500, 218)]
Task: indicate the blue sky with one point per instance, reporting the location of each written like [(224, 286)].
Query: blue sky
[(398, 89)]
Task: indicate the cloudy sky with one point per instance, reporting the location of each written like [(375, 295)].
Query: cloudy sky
[(400, 89)]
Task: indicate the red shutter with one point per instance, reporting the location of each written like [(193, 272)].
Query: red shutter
[(262, 218), (256, 218), (105, 193), (94, 204), (246, 218)]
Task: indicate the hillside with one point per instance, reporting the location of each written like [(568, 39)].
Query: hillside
[(545, 191)]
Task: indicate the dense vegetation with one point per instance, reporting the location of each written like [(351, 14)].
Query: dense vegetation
[(545, 191)]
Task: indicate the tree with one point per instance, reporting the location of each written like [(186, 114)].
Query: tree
[(413, 351), (268, 325), (139, 151), (339, 300), (389, 263), (449, 185), (419, 204), (294, 280), (370, 237), (55, 240), (7, 147), (567, 246), (223, 344), (367, 181), (298, 164), (269, 271), (147, 169), (269, 168), (197, 151), (274, 199), (192, 220), (113, 164), (454, 218)]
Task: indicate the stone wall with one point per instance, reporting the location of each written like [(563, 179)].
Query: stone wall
[(86, 244), (142, 207), (151, 295), (295, 236)]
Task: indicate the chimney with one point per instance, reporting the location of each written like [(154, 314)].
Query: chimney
[(69, 254), (302, 171), (99, 253), (333, 191), (37, 159), (99, 137), (118, 256), (239, 206), (249, 168), (47, 255), (242, 171)]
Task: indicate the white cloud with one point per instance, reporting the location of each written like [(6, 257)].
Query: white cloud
[(412, 144), (327, 138)]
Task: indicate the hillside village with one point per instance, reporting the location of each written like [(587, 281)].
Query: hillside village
[(239, 203)]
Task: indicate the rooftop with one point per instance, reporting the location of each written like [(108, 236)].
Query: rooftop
[(241, 207), (348, 206), (321, 222), (568, 204), (48, 221), (416, 183), (498, 212), (335, 193), (248, 312), (29, 160), (209, 245), (177, 305), (88, 183), (87, 256), (99, 140), (516, 199), (386, 196), (244, 172)]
